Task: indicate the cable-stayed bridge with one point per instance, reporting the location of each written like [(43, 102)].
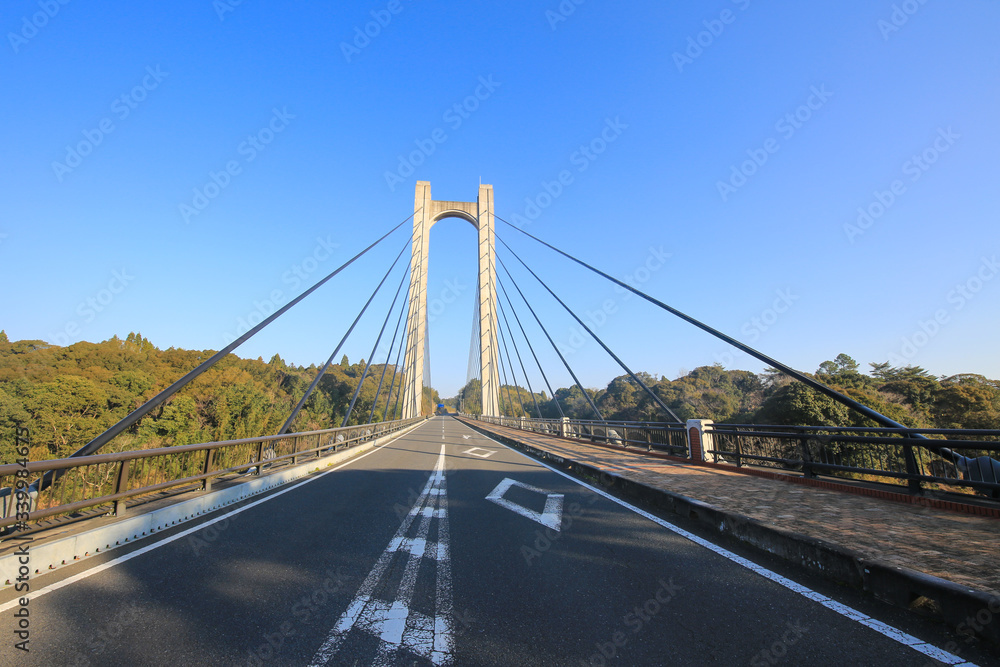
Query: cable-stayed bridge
[(435, 540)]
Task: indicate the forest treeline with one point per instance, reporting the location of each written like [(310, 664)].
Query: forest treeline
[(910, 395), (68, 395)]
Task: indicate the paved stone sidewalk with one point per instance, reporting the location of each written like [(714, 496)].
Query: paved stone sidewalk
[(961, 548)]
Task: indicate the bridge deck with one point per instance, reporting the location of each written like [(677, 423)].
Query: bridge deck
[(442, 547), (952, 546)]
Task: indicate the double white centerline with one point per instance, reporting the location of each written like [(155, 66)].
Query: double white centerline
[(398, 627)]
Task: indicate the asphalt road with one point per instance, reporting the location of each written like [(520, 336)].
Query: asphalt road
[(442, 547)]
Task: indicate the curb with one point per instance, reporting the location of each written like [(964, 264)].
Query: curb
[(963, 609), (72, 549)]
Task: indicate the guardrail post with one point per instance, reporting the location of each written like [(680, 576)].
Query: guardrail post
[(295, 450), (206, 484), (260, 458), (121, 485), (700, 443), (564, 427), (807, 470), (912, 484), (644, 432)]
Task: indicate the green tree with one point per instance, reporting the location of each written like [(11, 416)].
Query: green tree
[(470, 397), (12, 415), (967, 401), (797, 404)]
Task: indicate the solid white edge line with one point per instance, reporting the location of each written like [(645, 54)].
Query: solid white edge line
[(850, 613), (34, 595)]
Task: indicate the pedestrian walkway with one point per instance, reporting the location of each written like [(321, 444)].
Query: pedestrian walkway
[(960, 548)]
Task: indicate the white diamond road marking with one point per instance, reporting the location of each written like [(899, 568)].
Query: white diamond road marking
[(842, 609), (480, 452), (397, 627), (550, 517)]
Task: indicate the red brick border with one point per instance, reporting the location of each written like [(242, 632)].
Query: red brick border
[(893, 496), (694, 444)]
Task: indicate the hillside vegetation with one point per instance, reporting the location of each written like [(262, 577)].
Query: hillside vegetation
[(909, 395), (68, 395)]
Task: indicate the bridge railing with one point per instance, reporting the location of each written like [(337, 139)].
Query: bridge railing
[(952, 459), (651, 436), (107, 482), (959, 460)]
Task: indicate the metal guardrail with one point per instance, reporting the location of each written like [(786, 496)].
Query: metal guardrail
[(962, 460), (113, 479), (956, 459), (651, 436)]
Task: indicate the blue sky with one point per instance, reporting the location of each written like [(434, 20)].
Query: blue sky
[(740, 140)]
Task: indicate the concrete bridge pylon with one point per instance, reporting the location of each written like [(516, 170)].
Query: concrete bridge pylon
[(480, 214)]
